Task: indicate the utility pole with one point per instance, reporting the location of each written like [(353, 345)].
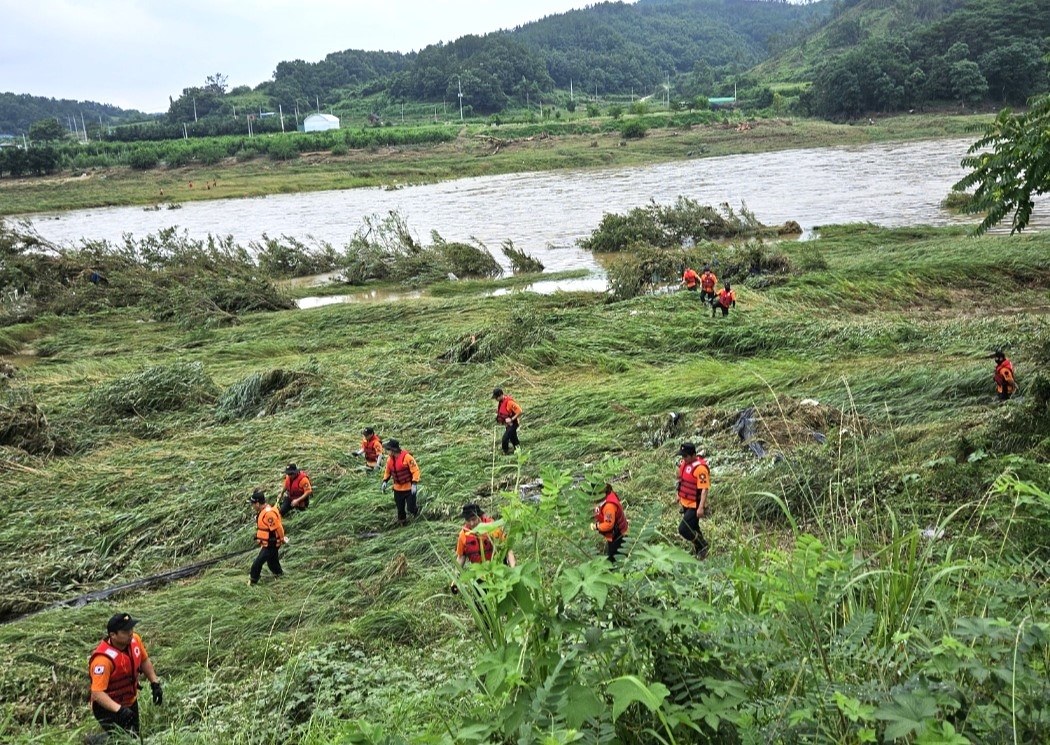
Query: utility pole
[(83, 126), (317, 100), (185, 134), (460, 83), (282, 116), (570, 90), (668, 90), (194, 109)]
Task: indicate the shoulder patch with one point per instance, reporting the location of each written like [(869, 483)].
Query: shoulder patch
[(99, 669)]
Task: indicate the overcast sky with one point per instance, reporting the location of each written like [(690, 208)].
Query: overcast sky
[(136, 53)]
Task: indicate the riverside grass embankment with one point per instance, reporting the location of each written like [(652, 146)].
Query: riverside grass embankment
[(841, 624), (479, 150)]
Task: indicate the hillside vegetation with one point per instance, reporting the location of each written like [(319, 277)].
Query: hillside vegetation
[(878, 563)]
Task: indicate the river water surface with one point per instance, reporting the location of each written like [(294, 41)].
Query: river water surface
[(545, 214)]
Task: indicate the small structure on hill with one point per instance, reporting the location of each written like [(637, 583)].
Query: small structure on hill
[(320, 122)]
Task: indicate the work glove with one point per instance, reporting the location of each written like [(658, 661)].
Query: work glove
[(385, 486), (414, 486), (594, 526), (357, 453), (287, 540), (453, 588), (158, 693), (124, 717)]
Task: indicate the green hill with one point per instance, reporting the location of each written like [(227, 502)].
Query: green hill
[(877, 575)]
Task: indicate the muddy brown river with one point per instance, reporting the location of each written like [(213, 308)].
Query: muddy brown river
[(546, 213)]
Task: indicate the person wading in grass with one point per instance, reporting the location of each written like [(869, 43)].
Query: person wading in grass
[(725, 300), (691, 279), (402, 468), (269, 534), (708, 282), (371, 448), (1005, 383), (694, 479), (610, 521), (508, 413), (115, 667), (295, 494)]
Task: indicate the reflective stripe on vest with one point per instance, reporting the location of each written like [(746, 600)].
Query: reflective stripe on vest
[(124, 680)]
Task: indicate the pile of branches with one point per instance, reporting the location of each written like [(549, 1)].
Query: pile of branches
[(385, 249), (167, 274)]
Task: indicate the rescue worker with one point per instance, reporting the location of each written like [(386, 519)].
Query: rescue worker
[(1005, 383), (708, 282), (371, 449), (694, 480), (508, 413), (115, 666), (610, 521), (691, 279), (269, 534), (476, 547), (726, 299), (402, 468), (296, 490)]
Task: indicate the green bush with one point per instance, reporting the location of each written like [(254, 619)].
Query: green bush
[(633, 130), (143, 158), (282, 149)]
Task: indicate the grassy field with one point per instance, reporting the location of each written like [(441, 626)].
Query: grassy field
[(478, 151), (879, 575)]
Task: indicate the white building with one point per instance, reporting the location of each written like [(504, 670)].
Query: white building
[(320, 122)]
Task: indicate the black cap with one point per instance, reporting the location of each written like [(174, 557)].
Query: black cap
[(121, 622), (368, 431), (391, 445), (471, 510), (497, 392), (687, 448), (258, 497), (292, 468), (999, 354)]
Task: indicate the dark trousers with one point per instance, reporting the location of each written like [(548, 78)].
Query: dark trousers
[(689, 529), (613, 547), (510, 438), (268, 555), (286, 505), (707, 297), (405, 500), (105, 717), (718, 306)]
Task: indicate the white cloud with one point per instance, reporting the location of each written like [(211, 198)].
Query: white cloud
[(135, 53)]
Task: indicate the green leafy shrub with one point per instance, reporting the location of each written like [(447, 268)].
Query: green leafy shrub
[(143, 158), (633, 130), (262, 393)]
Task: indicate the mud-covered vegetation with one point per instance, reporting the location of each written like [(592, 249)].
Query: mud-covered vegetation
[(878, 520)]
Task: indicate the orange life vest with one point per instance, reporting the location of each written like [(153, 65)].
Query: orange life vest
[(400, 472), (1004, 377), (708, 281), (295, 488), (372, 447), (688, 493), (124, 680), (726, 298), (264, 535), (620, 524), (690, 277), (503, 411), (478, 548)]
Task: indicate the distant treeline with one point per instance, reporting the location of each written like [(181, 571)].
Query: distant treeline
[(968, 52), (18, 111)]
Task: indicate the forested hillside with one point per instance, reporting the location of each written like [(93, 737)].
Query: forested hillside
[(877, 56), (18, 111)]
